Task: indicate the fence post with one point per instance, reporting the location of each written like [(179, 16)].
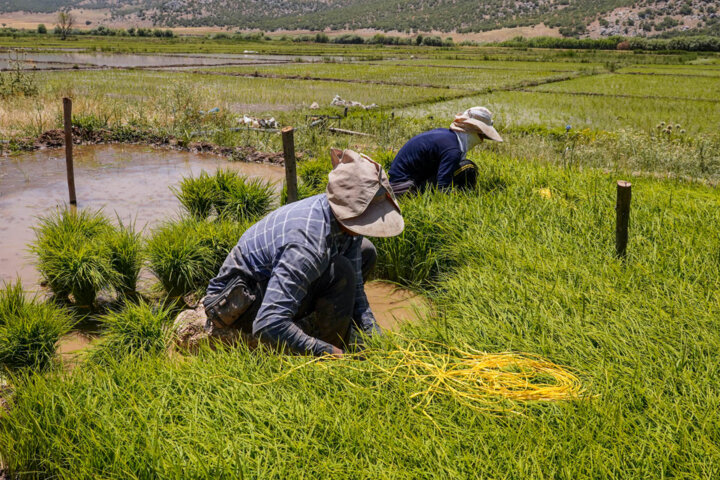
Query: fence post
[(290, 171), (622, 210), (67, 116)]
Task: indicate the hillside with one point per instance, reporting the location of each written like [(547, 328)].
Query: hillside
[(572, 18)]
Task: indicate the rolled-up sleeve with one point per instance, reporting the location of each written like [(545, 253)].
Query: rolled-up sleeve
[(362, 314), (297, 267)]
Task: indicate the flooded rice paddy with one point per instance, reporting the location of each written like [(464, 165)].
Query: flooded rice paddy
[(47, 60), (130, 181)]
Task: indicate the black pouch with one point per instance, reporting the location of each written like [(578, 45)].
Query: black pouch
[(225, 308)]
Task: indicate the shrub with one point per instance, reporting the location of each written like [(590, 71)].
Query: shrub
[(138, 330), (29, 329)]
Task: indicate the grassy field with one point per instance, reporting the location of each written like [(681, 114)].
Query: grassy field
[(524, 263)]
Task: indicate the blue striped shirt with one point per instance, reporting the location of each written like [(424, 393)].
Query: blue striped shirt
[(285, 253)]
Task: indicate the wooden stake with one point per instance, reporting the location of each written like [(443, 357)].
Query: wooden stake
[(349, 132), (622, 209), (67, 115), (290, 171)]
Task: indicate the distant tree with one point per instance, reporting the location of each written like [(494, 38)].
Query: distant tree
[(42, 29), (65, 22), (419, 40)]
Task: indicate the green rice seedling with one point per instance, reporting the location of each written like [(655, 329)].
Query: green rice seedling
[(179, 257), (29, 329), (139, 330), (125, 248), (197, 195), (219, 236), (314, 173), (72, 257), (225, 194), (248, 199), (304, 191)]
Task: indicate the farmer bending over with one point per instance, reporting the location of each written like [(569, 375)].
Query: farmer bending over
[(438, 158), (296, 278)]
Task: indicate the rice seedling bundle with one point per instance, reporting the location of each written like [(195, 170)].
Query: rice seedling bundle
[(80, 252), (185, 254), (29, 329), (225, 194), (136, 330)]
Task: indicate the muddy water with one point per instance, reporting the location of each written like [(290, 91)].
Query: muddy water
[(131, 181), (121, 60), (393, 306)]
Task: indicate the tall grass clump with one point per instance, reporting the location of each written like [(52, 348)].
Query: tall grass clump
[(138, 330), (185, 254), (225, 194), (29, 329)]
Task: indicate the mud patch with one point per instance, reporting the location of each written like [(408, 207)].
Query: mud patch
[(393, 305), (73, 345)]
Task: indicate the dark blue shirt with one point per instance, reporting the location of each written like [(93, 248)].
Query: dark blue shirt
[(431, 157)]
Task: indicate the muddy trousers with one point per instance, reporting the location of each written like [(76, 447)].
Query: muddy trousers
[(327, 310)]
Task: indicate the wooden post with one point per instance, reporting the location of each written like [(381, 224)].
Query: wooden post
[(622, 209), (290, 172), (67, 115)]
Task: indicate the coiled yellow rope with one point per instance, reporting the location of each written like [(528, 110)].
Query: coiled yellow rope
[(482, 381), (489, 382)]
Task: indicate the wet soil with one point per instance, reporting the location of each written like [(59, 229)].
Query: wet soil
[(393, 306), (131, 181)]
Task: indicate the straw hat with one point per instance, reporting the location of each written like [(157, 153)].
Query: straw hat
[(476, 120), (360, 196)]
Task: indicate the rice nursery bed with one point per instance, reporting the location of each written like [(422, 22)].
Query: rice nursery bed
[(557, 109), (166, 99), (690, 88), (523, 264), (465, 79)]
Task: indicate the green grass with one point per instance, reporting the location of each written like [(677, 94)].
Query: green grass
[(514, 271), (29, 330)]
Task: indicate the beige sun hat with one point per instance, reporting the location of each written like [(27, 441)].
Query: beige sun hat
[(360, 196), (476, 120)]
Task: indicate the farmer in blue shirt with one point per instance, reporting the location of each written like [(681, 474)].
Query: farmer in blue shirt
[(438, 158), (296, 278)]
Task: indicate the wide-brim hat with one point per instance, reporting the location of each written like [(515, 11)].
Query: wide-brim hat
[(360, 196), (476, 120)]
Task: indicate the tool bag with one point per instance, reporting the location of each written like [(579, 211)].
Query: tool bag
[(225, 308)]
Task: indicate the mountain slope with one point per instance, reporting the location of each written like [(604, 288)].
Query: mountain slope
[(573, 17)]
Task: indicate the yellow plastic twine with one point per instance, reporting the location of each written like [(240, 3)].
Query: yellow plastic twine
[(488, 382), (479, 380)]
